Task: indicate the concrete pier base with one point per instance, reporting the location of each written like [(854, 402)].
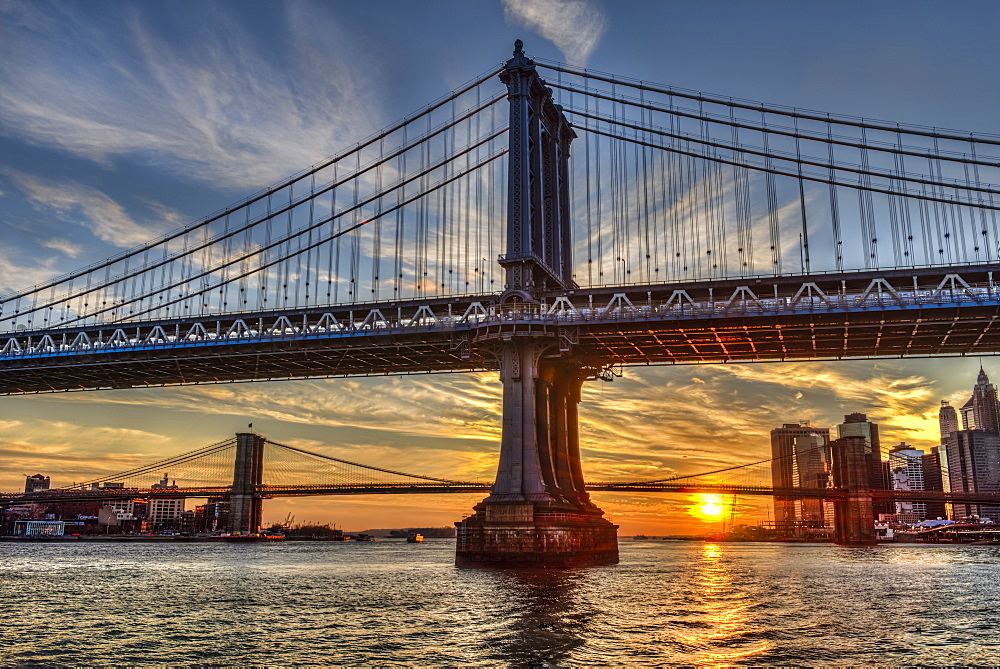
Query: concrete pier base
[(519, 536)]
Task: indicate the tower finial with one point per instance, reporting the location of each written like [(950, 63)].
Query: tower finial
[(519, 60)]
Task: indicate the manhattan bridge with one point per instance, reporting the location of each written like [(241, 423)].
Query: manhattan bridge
[(552, 224)]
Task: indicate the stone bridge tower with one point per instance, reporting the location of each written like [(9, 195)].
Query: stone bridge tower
[(538, 512)]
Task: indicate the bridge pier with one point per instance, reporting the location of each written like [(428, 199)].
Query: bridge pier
[(852, 517), (538, 513), (245, 505)]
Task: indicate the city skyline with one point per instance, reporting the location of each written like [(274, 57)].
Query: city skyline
[(705, 511), (69, 200)]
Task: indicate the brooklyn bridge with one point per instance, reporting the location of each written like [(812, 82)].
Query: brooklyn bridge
[(684, 228)]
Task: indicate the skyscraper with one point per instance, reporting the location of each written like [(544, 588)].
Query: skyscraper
[(801, 460), (974, 466), (948, 419), (982, 410), (972, 455)]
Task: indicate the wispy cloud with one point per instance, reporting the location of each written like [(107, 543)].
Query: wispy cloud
[(64, 246), (574, 26), (53, 448), (209, 107), (105, 218), (905, 404), (459, 406), (446, 426), (16, 272), (649, 424)]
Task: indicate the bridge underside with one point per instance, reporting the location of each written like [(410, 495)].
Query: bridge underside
[(958, 330), (291, 358), (902, 333)]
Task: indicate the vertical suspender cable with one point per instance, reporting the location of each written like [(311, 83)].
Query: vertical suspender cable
[(590, 224), (774, 224), (802, 201)]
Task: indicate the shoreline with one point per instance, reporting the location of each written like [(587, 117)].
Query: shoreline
[(96, 538)]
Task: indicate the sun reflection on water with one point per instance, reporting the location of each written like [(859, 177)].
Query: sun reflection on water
[(721, 636)]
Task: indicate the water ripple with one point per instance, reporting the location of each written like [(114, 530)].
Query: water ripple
[(399, 604)]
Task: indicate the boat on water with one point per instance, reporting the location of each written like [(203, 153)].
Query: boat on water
[(414, 538), (364, 537)]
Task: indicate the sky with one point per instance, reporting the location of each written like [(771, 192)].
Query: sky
[(120, 121)]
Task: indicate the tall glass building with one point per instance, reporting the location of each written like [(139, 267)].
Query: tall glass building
[(973, 453), (802, 459)]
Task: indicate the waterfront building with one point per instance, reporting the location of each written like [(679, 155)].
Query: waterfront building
[(906, 469), (974, 466), (164, 511), (164, 483), (982, 410), (27, 511), (36, 483), (971, 455), (135, 508), (112, 516), (76, 509), (801, 459), (212, 516), (40, 528), (186, 522)]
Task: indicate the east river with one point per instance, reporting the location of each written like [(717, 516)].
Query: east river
[(396, 603)]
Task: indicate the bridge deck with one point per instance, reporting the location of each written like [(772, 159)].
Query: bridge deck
[(931, 312)]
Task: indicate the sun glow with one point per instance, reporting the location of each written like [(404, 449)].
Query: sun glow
[(707, 507), (710, 509)]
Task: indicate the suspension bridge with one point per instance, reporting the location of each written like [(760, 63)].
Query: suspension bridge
[(287, 471), (686, 228), (265, 469)]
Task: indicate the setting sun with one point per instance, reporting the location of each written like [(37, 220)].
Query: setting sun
[(707, 506), (710, 509)]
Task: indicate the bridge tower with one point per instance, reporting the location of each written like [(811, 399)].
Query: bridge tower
[(538, 513), (539, 255), (852, 517), (245, 504)]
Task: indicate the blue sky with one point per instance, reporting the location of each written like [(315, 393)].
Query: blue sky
[(119, 121)]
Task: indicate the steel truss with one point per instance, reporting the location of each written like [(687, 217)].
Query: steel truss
[(932, 312)]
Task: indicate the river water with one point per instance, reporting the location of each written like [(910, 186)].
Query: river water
[(396, 603)]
